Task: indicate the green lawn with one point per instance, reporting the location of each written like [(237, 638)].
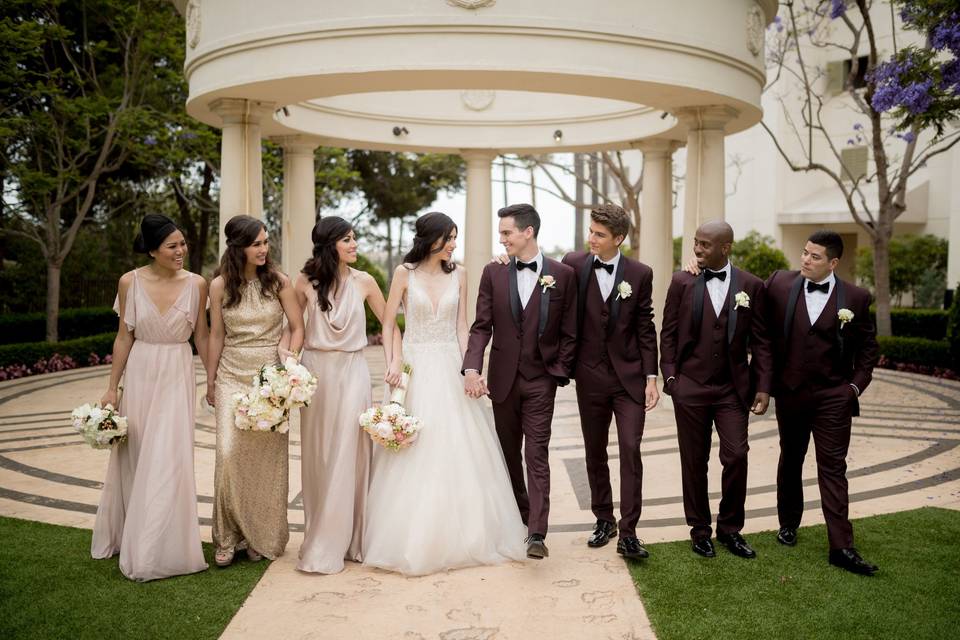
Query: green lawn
[(793, 593), (51, 588)]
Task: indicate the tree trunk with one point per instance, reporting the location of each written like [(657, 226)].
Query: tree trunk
[(578, 241), (389, 222), (881, 279), (53, 300)]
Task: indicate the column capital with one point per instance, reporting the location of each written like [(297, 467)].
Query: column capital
[(708, 117), (656, 147), (297, 144), (478, 156), (240, 110)]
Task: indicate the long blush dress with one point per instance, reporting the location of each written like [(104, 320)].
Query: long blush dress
[(148, 508)]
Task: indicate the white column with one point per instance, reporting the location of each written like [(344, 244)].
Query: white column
[(656, 217), (705, 186), (479, 231), (299, 202), (241, 172)]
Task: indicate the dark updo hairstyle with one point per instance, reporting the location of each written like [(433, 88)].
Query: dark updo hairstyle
[(154, 228), (431, 227), (241, 232), (323, 269)]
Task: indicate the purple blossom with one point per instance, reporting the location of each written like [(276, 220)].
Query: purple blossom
[(908, 137), (946, 35), (916, 97), (950, 72), (837, 9), (850, 141), (150, 141), (858, 127), (886, 97)]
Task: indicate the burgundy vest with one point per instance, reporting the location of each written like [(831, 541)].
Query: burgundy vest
[(708, 361), (813, 352), (592, 349), (531, 362)]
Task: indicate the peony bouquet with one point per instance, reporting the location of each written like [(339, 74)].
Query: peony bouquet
[(389, 426), (101, 427), (276, 390)]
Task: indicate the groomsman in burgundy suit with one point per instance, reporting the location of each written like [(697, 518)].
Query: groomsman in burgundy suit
[(824, 348), (616, 371), (709, 322), (529, 306)]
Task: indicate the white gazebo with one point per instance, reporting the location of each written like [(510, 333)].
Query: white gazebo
[(477, 78)]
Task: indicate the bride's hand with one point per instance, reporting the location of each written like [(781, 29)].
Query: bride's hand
[(392, 377), (212, 394)]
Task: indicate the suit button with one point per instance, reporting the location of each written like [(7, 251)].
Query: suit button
[(716, 355), (716, 326), (810, 332)]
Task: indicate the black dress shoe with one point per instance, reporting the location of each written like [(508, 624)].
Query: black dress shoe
[(631, 547), (787, 536), (850, 560), (704, 547), (735, 543), (536, 549), (602, 533)]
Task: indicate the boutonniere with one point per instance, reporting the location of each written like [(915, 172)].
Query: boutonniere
[(624, 290), (741, 300), (547, 282), (845, 316)]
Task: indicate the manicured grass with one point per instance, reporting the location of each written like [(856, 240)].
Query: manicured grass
[(51, 588), (793, 593)]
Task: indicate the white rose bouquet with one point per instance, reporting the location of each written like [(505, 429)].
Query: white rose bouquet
[(389, 426), (101, 427), (276, 390)]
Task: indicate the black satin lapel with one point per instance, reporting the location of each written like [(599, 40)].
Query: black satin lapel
[(791, 306), (544, 298), (586, 272), (731, 304), (514, 291), (615, 294), (699, 286), (841, 301)]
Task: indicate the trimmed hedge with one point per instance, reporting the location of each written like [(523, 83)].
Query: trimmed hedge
[(18, 328), (917, 323), (27, 353), (910, 350)]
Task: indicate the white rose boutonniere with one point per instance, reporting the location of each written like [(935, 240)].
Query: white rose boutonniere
[(624, 290), (845, 316), (547, 282), (741, 300)]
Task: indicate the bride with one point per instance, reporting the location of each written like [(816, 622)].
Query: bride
[(446, 501)]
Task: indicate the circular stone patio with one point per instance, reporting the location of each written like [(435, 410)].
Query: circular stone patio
[(904, 454)]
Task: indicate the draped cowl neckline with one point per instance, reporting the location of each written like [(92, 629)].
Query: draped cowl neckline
[(343, 326)]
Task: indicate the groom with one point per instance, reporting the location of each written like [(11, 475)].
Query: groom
[(529, 306)]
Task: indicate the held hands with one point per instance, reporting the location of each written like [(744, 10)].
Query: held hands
[(212, 394), (652, 396), (474, 386), (760, 403), (392, 376), (110, 397)]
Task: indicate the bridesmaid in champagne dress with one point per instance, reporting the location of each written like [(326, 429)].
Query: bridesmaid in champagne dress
[(335, 452), (248, 301), (148, 508)]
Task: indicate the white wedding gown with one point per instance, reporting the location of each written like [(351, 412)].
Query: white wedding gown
[(445, 501)]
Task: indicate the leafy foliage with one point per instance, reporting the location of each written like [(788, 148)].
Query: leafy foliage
[(918, 265), (757, 254)]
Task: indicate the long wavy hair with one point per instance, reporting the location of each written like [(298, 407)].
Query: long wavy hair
[(431, 227), (241, 232), (323, 269)]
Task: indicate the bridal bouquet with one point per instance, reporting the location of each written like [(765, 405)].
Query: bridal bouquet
[(101, 427), (276, 390), (389, 426)]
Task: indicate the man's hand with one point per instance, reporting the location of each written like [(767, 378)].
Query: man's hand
[(651, 394), (760, 403), (692, 267), (501, 259), (474, 385)]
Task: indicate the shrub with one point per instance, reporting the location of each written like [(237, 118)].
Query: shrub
[(953, 330), (917, 323), (73, 323), (79, 350), (364, 264), (756, 254), (920, 351)]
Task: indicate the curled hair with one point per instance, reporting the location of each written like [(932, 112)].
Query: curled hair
[(431, 227), (613, 217), (241, 232), (323, 269), (154, 228)]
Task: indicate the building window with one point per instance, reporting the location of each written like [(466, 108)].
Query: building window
[(853, 163), (838, 75)]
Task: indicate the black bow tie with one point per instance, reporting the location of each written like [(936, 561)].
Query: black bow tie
[(719, 275), (813, 286), (527, 265), (597, 264)]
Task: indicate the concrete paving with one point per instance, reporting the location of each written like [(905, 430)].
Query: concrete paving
[(904, 454)]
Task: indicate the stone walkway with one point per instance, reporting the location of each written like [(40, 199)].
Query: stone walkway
[(904, 454)]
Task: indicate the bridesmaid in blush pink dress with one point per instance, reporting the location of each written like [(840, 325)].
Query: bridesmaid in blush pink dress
[(148, 508), (335, 452)]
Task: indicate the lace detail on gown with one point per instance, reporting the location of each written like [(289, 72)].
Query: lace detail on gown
[(426, 326)]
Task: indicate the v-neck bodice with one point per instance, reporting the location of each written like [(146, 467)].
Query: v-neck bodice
[(429, 322), (147, 324)]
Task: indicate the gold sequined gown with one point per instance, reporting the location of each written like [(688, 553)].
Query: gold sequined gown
[(250, 478)]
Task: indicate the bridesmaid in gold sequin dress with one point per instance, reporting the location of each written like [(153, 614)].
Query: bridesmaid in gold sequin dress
[(248, 301), (335, 452)]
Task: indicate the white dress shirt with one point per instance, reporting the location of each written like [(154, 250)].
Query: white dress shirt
[(817, 300), (527, 279), (604, 279), (717, 289)]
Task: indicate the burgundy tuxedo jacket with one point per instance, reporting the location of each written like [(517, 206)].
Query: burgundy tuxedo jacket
[(686, 345), (825, 354), (627, 336), (500, 314)]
